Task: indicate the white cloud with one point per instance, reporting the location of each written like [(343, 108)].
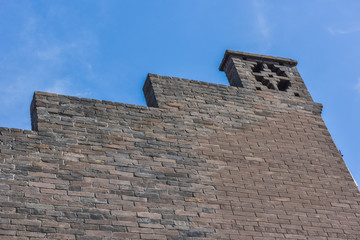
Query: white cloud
[(44, 61), (357, 86), (65, 87), (262, 23), (333, 31), (263, 26), (51, 53), (60, 86), (41, 59)]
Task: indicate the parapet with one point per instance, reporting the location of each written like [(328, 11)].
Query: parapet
[(269, 80), (253, 160)]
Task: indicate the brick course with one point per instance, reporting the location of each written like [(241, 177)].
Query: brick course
[(253, 160)]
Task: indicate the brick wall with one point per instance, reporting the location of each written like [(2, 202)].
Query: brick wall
[(253, 160)]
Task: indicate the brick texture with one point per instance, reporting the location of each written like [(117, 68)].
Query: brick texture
[(253, 160)]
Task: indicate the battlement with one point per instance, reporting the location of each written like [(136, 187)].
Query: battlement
[(252, 160)]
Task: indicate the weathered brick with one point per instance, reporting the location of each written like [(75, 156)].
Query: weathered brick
[(252, 160)]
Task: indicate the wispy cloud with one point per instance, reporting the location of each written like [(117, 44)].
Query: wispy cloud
[(42, 59), (66, 87), (357, 86), (60, 86), (351, 30), (263, 26), (262, 23)]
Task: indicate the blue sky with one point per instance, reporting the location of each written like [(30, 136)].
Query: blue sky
[(104, 50)]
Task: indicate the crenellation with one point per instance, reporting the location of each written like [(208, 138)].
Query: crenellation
[(252, 160)]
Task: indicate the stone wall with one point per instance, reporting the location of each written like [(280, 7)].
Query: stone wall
[(253, 160)]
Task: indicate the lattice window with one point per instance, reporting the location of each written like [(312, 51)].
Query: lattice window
[(271, 76)]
